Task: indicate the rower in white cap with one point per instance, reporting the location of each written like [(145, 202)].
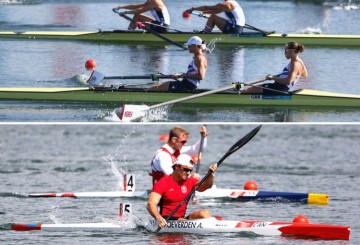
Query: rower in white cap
[(195, 73)]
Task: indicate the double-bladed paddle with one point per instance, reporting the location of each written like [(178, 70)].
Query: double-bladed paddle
[(133, 112), (243, 141), (96, 77), (142, 26)]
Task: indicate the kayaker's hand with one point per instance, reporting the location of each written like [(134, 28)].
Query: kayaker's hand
[(213, 167), (203, 131), (161, 221)]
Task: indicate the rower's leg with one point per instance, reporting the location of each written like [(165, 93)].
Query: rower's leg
[(139, 18), (213, 21), (200, 214), (161, 87)]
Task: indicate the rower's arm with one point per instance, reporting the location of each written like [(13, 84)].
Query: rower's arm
[(129, 6), (153, 201), (215, 9), (208, 183)]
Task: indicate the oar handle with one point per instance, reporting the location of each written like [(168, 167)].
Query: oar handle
[(243, 141), (142, 26)]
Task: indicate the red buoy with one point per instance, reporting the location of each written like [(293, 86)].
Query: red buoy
[(195, 158), (301, 219), (186, 14), (90, 65), (251, 185), (164, 137)]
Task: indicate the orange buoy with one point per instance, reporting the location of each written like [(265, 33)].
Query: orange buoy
[(90, 65), (164, 137), (251, 185), (301, 219), (195, 158)]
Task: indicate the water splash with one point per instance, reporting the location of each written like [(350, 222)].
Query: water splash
[(156, 114)]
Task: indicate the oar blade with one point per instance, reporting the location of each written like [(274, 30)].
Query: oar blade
[(130, 113), (243, 141), (95, 79)]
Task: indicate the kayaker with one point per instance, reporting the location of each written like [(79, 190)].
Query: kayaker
[(195, 73), (160, 20), (171, 190), (235, 18), (165, 157), (288, 78)]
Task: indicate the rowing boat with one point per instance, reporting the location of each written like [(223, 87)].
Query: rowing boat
[(214, 192), (298, 230), (227, 99), (248, 38)]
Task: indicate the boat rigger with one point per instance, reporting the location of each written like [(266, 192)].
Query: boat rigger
[(247, 38)]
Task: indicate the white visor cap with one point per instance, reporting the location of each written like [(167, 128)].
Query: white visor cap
[(185, 160), (195, 40)]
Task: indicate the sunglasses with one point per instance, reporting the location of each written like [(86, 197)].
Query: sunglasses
[(185, 169), (182, 141)]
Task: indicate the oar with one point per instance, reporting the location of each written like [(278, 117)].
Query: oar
[(96, 77), (199, 14), (232, 149), (200, 153), (199, 158), (132, 112), (142, 26)]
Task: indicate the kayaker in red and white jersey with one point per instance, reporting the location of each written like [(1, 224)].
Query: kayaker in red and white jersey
[(292, 73), (171, 190), (165, 157), (235, 18), (160, 20)]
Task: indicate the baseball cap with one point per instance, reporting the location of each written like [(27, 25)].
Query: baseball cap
[(194, 40), (185, 160)]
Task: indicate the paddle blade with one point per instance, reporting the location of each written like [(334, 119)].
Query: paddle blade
[(95, 79), (130, 113)]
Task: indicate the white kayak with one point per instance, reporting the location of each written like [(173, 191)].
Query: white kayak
[(214, 192), (212, 225)]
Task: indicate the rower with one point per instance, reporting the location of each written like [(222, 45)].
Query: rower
[(234, 23), (160, 20), (195, 73), (288, 78), (165, 157), (171, 190)]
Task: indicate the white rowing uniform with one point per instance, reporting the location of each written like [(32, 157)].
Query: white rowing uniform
[(192, 69), (285, 73), (236, 16), (161, 16)]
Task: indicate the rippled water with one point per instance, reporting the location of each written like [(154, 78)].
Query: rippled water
[(298, 158), (36, 63)]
